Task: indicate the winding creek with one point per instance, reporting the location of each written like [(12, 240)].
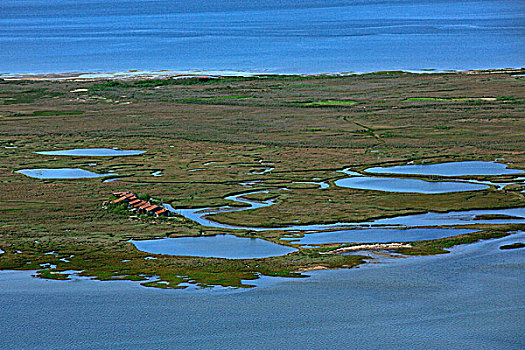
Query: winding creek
[(202, 216)]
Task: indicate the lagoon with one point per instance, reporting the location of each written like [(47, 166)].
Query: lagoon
[(220, 246)]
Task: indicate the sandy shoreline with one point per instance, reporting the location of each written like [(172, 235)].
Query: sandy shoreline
[(172, 74), (378, 246)]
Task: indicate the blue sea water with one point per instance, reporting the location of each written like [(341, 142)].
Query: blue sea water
[(278, 36), (470, 299)]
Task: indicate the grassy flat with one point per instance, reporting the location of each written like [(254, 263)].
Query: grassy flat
[(328, 103), (209, 137)]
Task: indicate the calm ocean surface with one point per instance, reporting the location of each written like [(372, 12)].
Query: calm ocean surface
[(471, 299), (279, 36)]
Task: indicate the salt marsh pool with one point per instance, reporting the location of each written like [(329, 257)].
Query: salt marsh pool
[(220, 246), (377, 235), (62, 173), (92, 152), (449, 169), (389, 184)]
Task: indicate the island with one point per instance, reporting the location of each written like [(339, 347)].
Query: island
[(280, 167)]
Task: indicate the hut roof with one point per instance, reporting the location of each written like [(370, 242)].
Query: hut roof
[(161, 212), (153, 208), (138, 204), (118, 200)]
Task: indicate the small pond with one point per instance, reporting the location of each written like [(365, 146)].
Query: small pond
[(61, 173), (449, 169), (220, 246), (407, 185), (92, 152), (378, 235)]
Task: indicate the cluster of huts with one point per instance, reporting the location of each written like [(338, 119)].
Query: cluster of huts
[(137, 204)]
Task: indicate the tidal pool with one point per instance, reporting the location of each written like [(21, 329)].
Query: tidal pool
[(92, 152), (378, 235), (61, 173), (449, 169), (220, 246), (389, 184)]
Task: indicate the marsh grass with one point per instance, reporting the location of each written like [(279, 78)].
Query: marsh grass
[(235, 122)]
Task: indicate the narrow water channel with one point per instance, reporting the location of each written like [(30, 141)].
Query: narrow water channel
[(454, 218)]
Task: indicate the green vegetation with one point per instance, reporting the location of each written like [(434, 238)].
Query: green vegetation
[(118, 208), (438, 246), (512, 246), (52, 275), (509, 99), (143, 196), (208, 136), (15, 97), (413, 99), (327, 103), (495, 217), (47, 113), (108, 85), (211, 100)]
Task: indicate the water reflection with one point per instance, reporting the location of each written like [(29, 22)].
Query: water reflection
[(220, 246)]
